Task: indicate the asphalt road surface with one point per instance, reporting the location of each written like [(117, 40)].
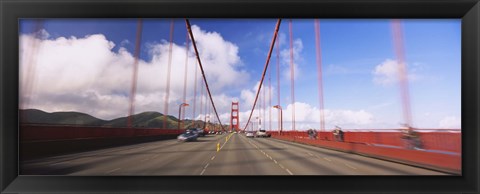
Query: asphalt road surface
[(237, 156)]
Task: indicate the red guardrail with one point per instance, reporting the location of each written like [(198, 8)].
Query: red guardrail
[(54, 132), (440, 150), (442, 141)]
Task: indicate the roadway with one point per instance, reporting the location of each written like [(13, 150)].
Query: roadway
[(238, 156)]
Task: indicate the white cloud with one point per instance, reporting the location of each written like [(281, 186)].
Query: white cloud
[(307, 116), (84, 74), (285, 55), (248, 95), (450, 122), (386, 73)]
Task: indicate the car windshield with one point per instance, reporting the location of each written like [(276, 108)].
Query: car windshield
[(262, 130)]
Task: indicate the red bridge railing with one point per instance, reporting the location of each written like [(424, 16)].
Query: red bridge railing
[(439, 150), (56, 132)]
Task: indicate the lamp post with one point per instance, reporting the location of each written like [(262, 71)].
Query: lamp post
[(180, 113), (281, 117)]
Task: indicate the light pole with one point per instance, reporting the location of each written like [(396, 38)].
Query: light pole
[(180, 113), (281, 117)]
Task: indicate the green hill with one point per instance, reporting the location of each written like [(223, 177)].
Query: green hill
[(146, 119), (60, 118)]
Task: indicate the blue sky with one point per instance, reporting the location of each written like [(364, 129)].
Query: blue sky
[(358, 92)]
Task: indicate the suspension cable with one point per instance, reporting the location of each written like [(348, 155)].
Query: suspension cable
[(201, 69), (320, 76), (264, 110), (278, 82), (269, 99), (185, 80), (29, 64), (292, 75), (201, 103), (133, 89), (265, 69), (402, 70), (195, 95), (167, 89)]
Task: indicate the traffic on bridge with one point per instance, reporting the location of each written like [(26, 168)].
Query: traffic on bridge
[(239, 97)]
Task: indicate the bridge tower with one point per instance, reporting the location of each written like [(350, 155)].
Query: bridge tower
[(234, 117)]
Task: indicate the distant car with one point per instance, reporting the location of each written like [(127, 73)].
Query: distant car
[(187, 136), (261, 133), (199, 131), (249, 134)]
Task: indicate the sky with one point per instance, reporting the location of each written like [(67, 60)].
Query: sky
[(86, 65)]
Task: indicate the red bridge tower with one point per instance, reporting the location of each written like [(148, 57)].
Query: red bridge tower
[(234, 117)]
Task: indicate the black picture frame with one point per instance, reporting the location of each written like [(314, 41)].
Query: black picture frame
[(12, 10)]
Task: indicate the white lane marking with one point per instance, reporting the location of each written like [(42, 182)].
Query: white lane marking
[(213, 157), (310, 154), (203, 171), (268, 156), (113, 170), (206, 166), (289, 172), (350, 166), (327, 159)]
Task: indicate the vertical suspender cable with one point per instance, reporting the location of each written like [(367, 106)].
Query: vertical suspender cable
[(201, 69), (206, 110), (264, 110), (402, 70), (278, 82), (201, 101), (194, 96), (265, 69), (185, 79), (292, 75), (28, 70), (320, 76), (167, 89), (270, 99), (133, 89)]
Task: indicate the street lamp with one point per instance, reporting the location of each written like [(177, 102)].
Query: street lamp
[(180, 113), (281, 117)]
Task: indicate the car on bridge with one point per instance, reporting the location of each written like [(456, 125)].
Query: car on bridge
[(262, 133), (187, 136), (199, 131), (249, 134)]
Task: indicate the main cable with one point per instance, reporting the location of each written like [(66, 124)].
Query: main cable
[(201, 69), (264, 70)]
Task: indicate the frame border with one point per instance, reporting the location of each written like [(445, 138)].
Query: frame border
[(11, 11)]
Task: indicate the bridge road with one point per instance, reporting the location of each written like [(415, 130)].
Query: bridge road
[(238, 156)]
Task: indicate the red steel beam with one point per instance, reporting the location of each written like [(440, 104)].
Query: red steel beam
[(167, 89), (264, 70), (133, 89)]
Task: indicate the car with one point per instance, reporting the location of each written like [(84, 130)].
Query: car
[(262, 133), (249, 134), (187, 136), (199, 131)]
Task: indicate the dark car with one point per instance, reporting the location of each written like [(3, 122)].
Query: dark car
[(187, 136)]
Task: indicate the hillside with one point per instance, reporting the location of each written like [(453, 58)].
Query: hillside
[(145, 119), (60, 118)]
